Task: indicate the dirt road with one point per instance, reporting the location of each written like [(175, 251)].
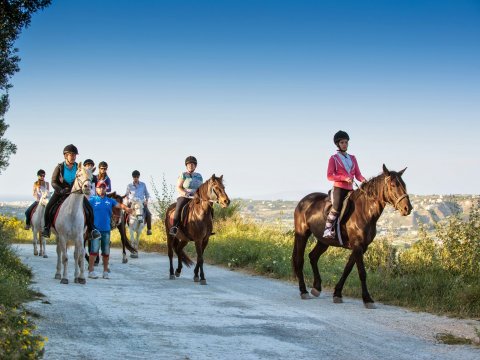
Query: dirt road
[(140, 314)]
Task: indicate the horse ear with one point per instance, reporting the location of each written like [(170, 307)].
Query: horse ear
[(386, 172), (221, 177), (80, 165), (213, 176), (401, 172)]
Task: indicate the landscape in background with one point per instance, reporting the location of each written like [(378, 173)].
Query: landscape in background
[(427, 210)]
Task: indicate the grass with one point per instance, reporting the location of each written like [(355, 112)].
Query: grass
[(18, 339)]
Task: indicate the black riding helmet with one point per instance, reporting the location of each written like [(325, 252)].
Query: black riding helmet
[(103, 164), (70, 149), (135, 173), (88, 162), (340, 135), (190, 159), (40, 172)]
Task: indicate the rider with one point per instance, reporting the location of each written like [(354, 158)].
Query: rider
[(89, 164), (63, 178), (342, 169), (138, 189), (102, 207), (39, 187), (188, 182), (102, 175)]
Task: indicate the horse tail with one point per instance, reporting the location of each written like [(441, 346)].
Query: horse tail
[(182, 255), (127, 243)]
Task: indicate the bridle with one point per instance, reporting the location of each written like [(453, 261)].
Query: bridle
[(392, 195), (81, 183)]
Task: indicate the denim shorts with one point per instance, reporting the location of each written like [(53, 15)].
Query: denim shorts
[(104, 241)]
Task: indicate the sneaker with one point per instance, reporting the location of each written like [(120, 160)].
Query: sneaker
[(149, 232), (105, 275), (96, 234), (329, 233), (27, 227), (173, 231), (92, 275), (46, 232)]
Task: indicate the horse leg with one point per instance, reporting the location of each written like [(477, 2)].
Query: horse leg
[(35, 250), (124, 256), (81, 262), (170, 241), (43, 241), (298, 255), (179, 251), (63, 247), (199, 248), (58, 274), (367, 300), (75, 262), (337, 294), (314, 255)]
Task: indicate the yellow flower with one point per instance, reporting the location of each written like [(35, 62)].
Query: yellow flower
[(25, 332)]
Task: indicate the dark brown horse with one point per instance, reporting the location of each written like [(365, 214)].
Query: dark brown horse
[(358, 229), (118, 220), (197, 226)]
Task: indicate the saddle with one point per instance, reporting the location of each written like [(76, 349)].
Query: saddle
[(183, 215), (33, 212), (56, 208)]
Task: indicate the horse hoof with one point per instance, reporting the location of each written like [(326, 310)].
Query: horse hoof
[(177, 273), (125, 260), (337, 300), (203, 282), (370, 305), (315, 292), (64, 281), (172, 277), (58, 276), (196, 279), (45, 256), (75, 280), (306, 296), (35, 252), (82, 281)]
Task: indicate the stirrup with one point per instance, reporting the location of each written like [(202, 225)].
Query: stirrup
[(329, 233), (173, 230), (46, 232), (27, 227)]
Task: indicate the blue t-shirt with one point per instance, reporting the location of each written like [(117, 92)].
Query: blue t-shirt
[(191, 181), (102, 211), (69, 174)]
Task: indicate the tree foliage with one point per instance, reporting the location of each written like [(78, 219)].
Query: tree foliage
[(15, 15)]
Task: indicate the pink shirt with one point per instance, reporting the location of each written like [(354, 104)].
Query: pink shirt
[(337, 173)]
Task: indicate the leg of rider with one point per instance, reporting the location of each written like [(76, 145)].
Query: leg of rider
[(48, 217), (334, 211), (181, 202), (28, 214), (90, 219)]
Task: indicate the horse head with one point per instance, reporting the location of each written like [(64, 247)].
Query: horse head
[(137, 207), (44, 198), (395, 191), (83, 180), (216, 191)]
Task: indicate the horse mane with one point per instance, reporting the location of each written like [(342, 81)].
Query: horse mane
[(370, 188)]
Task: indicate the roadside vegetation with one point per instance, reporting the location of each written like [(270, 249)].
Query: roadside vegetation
[(438, 273), (18, 338)]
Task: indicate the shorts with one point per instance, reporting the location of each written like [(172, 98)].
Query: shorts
[(104, 242)]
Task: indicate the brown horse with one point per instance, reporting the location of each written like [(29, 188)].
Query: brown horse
[(118, 218), (197, 226), (358, 229)]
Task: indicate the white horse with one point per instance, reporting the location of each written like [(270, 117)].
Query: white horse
[(38, 222), (70, 226), (136, 223)]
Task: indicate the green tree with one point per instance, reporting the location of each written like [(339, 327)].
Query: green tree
[(15, 15)]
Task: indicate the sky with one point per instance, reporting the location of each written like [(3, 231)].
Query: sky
[(254, 89)]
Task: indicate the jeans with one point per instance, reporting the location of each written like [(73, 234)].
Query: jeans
[(104, 242)]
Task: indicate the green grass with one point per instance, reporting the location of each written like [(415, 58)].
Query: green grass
[(17, 331)]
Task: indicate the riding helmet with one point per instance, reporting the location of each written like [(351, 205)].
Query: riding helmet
[(340, 135), (190, 159), (70, 149), (88, 162), (135, 173), (103, 164), (40, 172)]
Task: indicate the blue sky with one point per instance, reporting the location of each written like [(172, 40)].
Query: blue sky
[(254, 89)]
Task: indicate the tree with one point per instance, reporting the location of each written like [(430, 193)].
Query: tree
[(15, 15)]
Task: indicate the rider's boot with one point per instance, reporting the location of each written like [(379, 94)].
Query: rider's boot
[(46, 232), (173, 230), (329, 232)]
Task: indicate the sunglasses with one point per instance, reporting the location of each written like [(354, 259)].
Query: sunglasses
[(103, 168)]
